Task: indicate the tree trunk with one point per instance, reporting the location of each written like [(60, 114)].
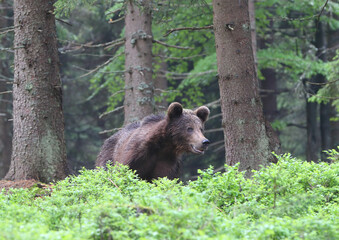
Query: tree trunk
[(269, 83), (334, 130), (139, 101), (38, 139), (269, 97), (318, 140), (251, 10), (5, 99), (312, 147), (325, 126), (246, 139)]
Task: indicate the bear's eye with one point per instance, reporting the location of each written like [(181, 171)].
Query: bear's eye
[(189, 129), (202, 130)]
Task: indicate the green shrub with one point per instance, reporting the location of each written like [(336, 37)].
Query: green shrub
[(289, 200)]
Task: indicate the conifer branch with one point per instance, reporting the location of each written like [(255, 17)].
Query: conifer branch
[(113, 111), (187, 28), (116, 20), (179, 58), (100, 66), (172, 46)]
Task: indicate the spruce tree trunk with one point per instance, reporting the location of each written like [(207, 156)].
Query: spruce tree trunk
[(139, 101), (312, 147), (5, 99), (324, 111), (269, 83), (246, 139), (38, 139)]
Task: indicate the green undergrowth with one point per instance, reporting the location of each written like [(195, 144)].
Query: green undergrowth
[(289, 200)]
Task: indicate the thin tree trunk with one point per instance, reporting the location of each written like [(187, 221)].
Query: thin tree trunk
[(312, 148), (318, 137), (139, 101), (334, 130), (5, 101), (269, 98), (324, 109), (246, 139), (269, 83), (38, 139)]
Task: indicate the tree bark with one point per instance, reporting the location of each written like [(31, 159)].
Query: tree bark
[(318, 136), (251, 10), (246, 139), (38, 139), (5, 100), (312, 147), (269, 83), (139, 89), (324, 111)]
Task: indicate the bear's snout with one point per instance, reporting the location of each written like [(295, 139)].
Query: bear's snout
[(200, 147), (205, 143)]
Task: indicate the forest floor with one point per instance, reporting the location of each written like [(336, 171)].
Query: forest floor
[(18, 184)]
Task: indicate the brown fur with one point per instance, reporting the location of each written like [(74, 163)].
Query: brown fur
[(154, 146)]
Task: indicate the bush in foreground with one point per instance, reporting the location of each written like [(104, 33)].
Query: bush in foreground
[(288, 200)]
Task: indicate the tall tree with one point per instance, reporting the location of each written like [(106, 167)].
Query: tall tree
[(38, 139), (324, 111), (246, 138), (139, 89), (5, 97)]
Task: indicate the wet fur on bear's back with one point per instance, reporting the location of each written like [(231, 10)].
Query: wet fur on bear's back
[(153, 147)]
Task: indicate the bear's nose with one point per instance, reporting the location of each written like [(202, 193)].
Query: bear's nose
[(205, 142)]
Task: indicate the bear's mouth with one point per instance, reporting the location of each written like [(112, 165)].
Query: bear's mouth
[(196, 150)]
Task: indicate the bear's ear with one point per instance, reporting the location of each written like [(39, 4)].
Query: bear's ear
[(174, 110), (202, 113)]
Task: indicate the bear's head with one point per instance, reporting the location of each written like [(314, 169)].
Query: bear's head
[(186, 128)]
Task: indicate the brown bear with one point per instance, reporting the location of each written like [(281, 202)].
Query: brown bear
[(153, 147)]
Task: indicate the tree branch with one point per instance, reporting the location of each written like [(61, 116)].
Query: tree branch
[(175, 75), (100, 66), (180, 58), (321, 12), (5, 92), (172, 46), (109, 131), (214, 130), (113, 111), (75, 47), (116, 20), (187, 28)]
